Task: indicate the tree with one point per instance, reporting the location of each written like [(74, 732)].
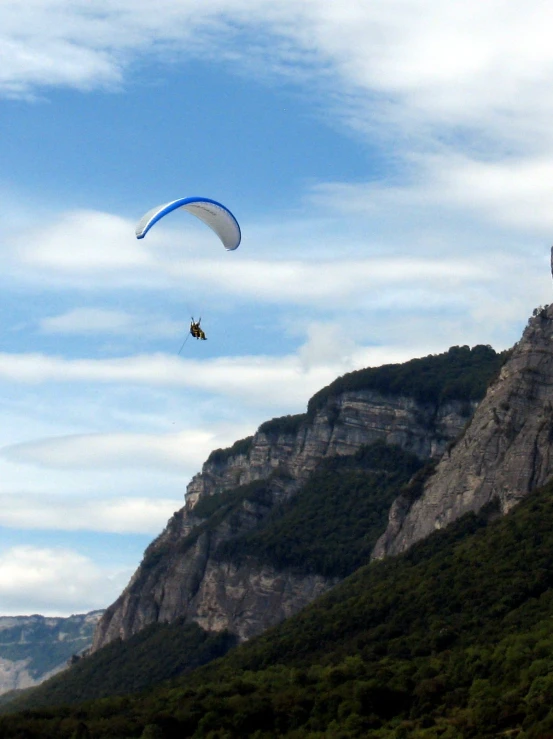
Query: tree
[(152, 731)]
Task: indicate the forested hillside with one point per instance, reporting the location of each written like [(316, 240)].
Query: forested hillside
[(331, 525), (451, 639), (461, 373)]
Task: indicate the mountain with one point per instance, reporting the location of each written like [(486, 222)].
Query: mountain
[(227, 561), (450, 637), (505, 452), (303, 501), (32, 648)]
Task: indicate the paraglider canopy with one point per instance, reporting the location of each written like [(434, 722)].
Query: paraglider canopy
[(212, 213)]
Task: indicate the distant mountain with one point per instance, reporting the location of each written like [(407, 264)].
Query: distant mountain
[(32, 648)]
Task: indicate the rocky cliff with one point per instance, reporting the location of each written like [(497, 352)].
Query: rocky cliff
[(180, 576), (342, 426), (505, 452), (32, 648)]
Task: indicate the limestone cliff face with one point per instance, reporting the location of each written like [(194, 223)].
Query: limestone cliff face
[(341, 427), (505, 452), (180, 575)]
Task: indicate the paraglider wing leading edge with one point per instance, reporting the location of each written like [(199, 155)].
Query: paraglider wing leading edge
[(212, 213)]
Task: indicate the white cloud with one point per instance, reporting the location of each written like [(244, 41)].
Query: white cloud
[(24, 65), (53, 581), (99, 250), (481, 72), (479, 63), (254, 379), (327, 343), (56, 459), (119, 515), (83, 242), (257, 381), (80, 321), (177, 451), (513, 193), (308, 282)]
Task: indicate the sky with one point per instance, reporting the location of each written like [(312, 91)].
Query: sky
[(391, 167)]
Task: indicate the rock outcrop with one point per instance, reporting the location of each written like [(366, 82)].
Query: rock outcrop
[(180, 576), (505, 452), (346, 423)]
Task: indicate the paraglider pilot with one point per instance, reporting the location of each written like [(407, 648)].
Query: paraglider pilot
[(196, 331)]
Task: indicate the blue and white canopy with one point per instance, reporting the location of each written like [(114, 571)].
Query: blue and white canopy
[(212, 213)]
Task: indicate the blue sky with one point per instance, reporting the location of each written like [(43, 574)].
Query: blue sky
[(391, 166)]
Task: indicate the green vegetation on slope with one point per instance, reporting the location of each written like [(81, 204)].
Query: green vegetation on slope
[(331, 525), (220, 456), (157, 653), (282, 425), (461, 373), (452, 639), (226, 506)]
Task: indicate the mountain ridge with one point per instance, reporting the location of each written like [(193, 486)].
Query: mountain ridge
[(180, 577), (32, 648), (505, 452)]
